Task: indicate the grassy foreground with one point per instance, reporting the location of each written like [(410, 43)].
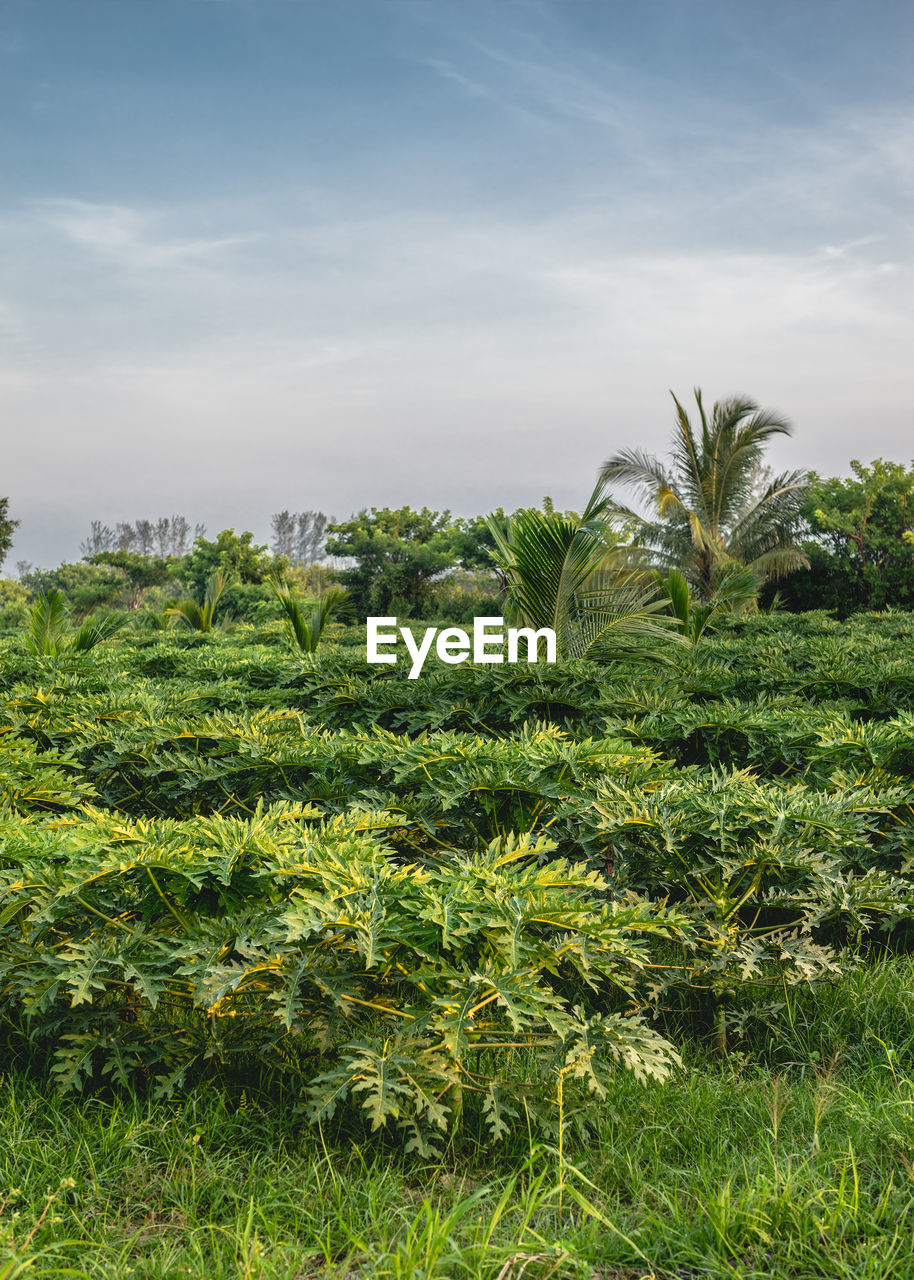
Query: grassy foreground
[(794, 1158)]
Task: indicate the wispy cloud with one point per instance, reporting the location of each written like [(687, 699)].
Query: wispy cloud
[(129, 237), (677, 163), (552, 94), (842, 250)]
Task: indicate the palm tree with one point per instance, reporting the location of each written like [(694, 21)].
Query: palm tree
[(49, 632), (306, 628), (715, 506), (735, 589), (201, 617), (562, 571)]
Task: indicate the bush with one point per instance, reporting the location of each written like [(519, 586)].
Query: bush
[(461, 596), (14, 605), (84, 587)]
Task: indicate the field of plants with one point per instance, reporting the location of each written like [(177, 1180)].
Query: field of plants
[(594, 970)]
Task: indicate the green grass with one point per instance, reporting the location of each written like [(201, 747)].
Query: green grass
[(792, 1158)]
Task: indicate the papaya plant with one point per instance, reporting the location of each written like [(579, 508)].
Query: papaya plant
[(760, 870), (161, 949)]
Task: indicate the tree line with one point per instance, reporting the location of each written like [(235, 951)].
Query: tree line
[(710, 519), (297, 535)]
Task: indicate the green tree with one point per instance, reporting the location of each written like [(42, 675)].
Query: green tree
[(140, 572), (474, 541), (7, 528), (234, 555), (396, 555), (713, 504), (14, 604), (860, 541)]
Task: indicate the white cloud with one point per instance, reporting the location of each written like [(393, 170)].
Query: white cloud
[(461, 364), (127, 236)]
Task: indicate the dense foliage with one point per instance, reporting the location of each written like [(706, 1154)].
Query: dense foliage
[(434, 900), (860, 541), (718, 520), (392, 557), (234, 555), (84, 586)]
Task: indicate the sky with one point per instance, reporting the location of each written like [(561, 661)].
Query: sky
[(332, 254)]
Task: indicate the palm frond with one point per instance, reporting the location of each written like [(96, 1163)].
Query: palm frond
[(779, 505), (639, 469), (216, 586), (567, 574), (547, 557), (187, 612), (306, 628), (680, 597), (780, 561), (47, 623), (619, 614), (93, 631), (735, 586), (200, 617), (687, 457), (708, 509)]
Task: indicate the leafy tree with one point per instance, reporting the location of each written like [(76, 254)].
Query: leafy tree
[(233, 555), (396, 555), (310, 581), (464, 594), (141, 572), (476, 585), (860, 542), (101, 538), (563, 573), (7, 528), (713, 504), (14, 604), (474, 541), (283, 526), (168, 536)]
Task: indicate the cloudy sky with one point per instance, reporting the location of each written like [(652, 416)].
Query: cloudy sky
[(267, 254)]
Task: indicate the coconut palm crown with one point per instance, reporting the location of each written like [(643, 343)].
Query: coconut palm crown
[(562, 571), (714, 507)]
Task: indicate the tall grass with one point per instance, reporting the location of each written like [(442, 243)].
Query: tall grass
[(790, 1159)]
